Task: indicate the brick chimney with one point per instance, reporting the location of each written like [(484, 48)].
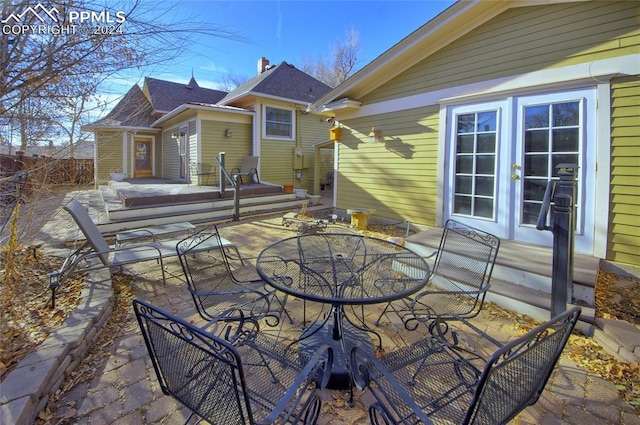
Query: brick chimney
[(263, 63)]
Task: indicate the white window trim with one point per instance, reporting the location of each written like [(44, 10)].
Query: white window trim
[(264, 123)]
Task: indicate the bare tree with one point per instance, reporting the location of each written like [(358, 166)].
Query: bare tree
[(232, 80), (47, 53), (341, 63)]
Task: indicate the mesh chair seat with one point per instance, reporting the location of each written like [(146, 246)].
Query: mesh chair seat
[(432, 381), (243, 380)]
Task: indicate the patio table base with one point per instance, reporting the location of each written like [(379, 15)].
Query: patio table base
[(319, 334)]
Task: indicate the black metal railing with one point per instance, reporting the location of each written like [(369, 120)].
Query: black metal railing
[(224, 177)]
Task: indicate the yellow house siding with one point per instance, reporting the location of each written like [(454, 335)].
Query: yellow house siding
[(624, 233), (521, 40), (214, 141), (170, 155), (396, 177), (312, 129), (276, 159), (108, 153)]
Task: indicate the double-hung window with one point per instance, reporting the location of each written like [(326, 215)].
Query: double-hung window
[(278, 123)]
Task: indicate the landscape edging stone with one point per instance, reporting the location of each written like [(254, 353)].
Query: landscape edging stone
[(59, 354)]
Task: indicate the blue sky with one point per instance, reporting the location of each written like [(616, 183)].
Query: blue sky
[(286, 30)]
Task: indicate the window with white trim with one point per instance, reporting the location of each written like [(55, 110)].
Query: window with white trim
[(475, 164), (278, 123)]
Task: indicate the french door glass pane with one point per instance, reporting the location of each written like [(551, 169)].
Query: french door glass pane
[(551, 138), (475, 164)]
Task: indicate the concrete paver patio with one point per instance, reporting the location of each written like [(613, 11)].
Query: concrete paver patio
[(124, 390)]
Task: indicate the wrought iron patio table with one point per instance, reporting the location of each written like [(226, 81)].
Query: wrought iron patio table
[(340, 270)]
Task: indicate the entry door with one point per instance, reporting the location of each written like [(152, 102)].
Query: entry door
[(478, 180), (502, 154), (143, 158), (554, 129)]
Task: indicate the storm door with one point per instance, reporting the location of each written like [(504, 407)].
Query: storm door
[(143, 158)]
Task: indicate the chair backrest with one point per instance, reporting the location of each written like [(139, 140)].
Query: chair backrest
[(466, 257), (209, 278), (89, 229), (202, 371), (200, 168), (249, 164), (516, 374)]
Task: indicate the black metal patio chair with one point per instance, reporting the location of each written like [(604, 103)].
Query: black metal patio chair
[(215, 286), (432, 382), (246, 379), (459, 280)]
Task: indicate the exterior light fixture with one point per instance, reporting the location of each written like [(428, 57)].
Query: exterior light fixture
[(375, 135), (54, 283), (227, 132)]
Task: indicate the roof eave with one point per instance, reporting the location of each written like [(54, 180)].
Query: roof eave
[(202, 107), (330, 108), (118, 127)]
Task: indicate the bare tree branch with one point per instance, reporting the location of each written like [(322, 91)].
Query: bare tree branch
[(341, 64)]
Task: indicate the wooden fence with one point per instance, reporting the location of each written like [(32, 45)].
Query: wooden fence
[(47, 170)]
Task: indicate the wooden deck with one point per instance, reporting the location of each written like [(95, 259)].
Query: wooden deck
[(141, 193)]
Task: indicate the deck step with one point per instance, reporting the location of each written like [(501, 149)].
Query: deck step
[(532, 302), (521, 279), (121, 218)]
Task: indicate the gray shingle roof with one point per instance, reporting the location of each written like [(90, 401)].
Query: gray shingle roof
[(142, 107), (166, 96), (283, 80), (133, 110)]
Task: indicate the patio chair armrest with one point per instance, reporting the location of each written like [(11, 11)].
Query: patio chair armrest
[(367, 369), (69, 264), (317, 371)]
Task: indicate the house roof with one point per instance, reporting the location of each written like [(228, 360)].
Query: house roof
[(159, 100), (453, 23), (133, 110), (166, 96), (282, 81)]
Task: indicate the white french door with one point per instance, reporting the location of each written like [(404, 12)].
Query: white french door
[(478, 180), (502, 154), (554, 129)]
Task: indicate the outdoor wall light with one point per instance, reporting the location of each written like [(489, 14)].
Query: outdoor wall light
[(227, 132), (375, 135)]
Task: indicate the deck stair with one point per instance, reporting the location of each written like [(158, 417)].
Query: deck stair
[(139, 205), (521, 279)]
